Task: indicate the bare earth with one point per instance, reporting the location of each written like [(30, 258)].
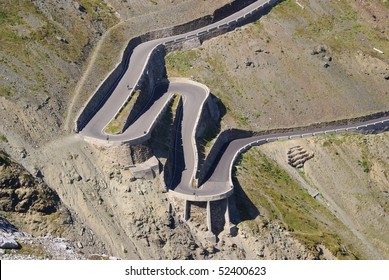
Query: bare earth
[(265, 75)]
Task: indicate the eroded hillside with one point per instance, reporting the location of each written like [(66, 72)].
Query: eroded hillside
[(295, 67), (277, 72), (348, 176), (54, 55)]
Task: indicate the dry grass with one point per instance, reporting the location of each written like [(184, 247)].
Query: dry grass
[(279, 198)]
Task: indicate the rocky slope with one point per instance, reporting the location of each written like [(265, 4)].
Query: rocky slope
[(41, 225), (295, 67), (45, 47), (54, 54), (348, 175)]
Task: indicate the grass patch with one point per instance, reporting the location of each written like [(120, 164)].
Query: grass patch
[(342, 30), (178, 63), (117, 124), (27, 34), (31, 250), (271, 190), (365, 165), (3, 138), (339, 27), (5, 91), (176, 101)]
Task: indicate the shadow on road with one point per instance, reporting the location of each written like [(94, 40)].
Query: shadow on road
[(144, 102)]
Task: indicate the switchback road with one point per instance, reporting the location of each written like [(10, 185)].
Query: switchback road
[(194, 95)]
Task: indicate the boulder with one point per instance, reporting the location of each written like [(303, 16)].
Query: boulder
[(8, 243)]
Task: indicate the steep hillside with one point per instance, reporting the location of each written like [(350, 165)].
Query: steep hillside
[(349, 175), (45, 49), (297, 66), (46, 46), (32, 214), (277, 72)]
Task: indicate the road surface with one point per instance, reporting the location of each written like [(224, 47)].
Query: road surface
[(194, 95)]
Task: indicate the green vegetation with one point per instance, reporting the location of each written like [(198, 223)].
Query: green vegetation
[(32, 250), (365, 165), (117, 124), (179, 62), (278, 197), (3, 138), (176, 100), (335, 139), (153, 2), (99, 11), (341, 30), (30, 40)]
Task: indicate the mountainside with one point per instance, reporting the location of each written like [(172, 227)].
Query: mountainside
[(41, 225), (296, 66), (293, 67)]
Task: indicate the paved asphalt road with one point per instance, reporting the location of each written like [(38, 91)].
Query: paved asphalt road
[(219, 185), (136, 65)]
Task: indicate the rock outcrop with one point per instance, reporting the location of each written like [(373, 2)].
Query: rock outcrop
[(21, 192)]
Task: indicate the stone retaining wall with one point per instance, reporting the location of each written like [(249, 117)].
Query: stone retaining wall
[(170, 162)]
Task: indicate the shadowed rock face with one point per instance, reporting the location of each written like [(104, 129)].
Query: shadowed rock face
[(6, 226), (21, 192)]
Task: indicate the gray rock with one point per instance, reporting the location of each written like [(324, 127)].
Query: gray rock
[(191, 44), (63, 246), (328, 58), (8, 243), (23, 153), (261, 252)]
